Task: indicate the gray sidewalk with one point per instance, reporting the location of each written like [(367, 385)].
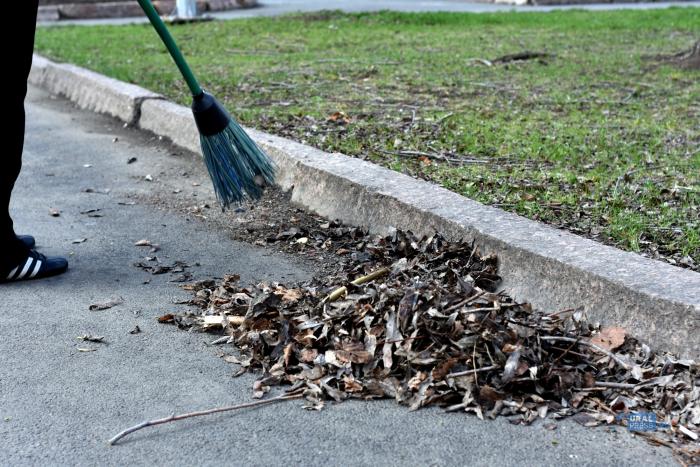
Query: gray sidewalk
[(280, 7), (58, 406)]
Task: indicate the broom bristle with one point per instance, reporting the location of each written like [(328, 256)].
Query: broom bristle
[(238, 168)]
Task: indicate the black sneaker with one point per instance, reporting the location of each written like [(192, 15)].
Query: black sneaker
[(27, 240), (36, 266)]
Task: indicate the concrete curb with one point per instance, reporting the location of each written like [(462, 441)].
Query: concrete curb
[(90, 90), (174, 121), (552, 269)]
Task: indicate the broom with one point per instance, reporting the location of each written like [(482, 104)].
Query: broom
[(238, 168)]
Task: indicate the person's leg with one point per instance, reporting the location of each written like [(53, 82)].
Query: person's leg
[(19, 61), (17, 260)]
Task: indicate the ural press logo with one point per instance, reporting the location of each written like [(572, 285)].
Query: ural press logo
[(642, 421)]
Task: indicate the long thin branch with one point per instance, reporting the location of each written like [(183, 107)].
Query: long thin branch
[(471, 372), (173, 417), (598, 349), (606, 384)]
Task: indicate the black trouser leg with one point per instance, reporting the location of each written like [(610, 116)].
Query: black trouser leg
[(19, 49)]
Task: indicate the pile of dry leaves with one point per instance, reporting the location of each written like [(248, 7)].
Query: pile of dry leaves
[(420, 321)]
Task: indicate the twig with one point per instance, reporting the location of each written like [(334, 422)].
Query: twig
[(605, 384), (578, 354), (380, 342), (679, 453), (173, 417), (471, 372), (443, 118), (654, 439), (476, 379), (340, 291), (429, 155), (621, 362), (556, 360), (486, 346), (602, 406), (556, 313), (466, 301)]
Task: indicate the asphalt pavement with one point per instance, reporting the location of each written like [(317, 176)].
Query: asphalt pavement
[(281, 7), (59, 404)]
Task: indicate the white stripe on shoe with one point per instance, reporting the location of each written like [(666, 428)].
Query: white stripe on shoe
[(36, 268), (12, 273), (29, 262)]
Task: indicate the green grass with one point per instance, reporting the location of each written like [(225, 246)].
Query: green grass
[(597, 139)]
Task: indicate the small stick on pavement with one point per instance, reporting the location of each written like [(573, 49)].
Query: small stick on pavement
[(173, 417)]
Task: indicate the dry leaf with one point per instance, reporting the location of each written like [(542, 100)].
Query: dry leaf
[(437, 312), (106, 305), (339, 117), (288, 295), (308, 355), (90, 338), (609, 338)]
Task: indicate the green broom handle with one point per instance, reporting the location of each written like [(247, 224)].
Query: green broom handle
[(170, 44)]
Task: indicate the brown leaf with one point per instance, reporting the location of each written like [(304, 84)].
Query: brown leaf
[(489, 395), (106, 305), (308, 355), (355, 356), (584, 419), (609, 338), (339, 117), (288, 352), (415, 382), (351, 385), (167, 318), (441, 370), (288, 295), (588, 379)]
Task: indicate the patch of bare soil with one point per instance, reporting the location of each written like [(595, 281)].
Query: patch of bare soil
[(688, 59)]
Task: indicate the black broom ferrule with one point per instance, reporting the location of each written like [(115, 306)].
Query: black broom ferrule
[(210, 116)]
